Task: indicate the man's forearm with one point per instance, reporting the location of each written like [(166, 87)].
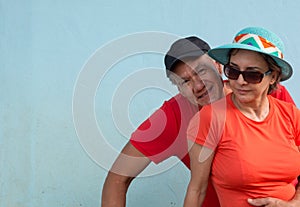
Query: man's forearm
[(127, 166), (114, 191)]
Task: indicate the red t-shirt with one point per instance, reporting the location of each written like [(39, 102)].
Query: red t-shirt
[(282, 94), (163, 134), (252, 159)]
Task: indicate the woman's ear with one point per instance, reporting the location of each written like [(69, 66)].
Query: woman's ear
[(274, 78)]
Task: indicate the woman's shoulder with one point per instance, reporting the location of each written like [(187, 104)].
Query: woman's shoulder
[(283, 107)]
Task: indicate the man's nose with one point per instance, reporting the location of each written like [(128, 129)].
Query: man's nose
[(197, 83)]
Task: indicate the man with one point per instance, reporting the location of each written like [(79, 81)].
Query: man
[(163, 134)]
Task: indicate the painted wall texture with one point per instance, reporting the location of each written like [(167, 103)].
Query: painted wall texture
[(70, 68)]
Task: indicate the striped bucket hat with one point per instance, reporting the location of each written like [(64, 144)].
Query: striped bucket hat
[(259, 40)]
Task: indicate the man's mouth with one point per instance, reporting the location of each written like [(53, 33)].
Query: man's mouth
[(203, 95)]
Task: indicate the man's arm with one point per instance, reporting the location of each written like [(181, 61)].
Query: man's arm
[(127, 166)]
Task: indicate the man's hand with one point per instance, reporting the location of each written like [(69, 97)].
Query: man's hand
[(273, 202)]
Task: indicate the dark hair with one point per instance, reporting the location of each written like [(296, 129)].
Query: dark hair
[(271, 64), (274, 67)]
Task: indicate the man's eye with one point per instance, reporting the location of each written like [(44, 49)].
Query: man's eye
[(201, 71), (184, 82)]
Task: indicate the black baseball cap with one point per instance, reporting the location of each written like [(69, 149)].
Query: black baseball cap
[(186, 47)]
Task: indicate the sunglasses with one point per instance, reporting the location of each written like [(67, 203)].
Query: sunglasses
[(249, 76)]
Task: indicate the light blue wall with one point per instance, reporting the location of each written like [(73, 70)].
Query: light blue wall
[(44, 46)]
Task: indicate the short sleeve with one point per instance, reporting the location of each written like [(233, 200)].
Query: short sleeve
[(156, 134), (206, 127)]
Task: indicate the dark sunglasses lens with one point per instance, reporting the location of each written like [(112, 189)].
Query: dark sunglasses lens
[(253, 77), (249, 76), (231, 73)]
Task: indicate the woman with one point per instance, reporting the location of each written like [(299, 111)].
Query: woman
[(250, 146)]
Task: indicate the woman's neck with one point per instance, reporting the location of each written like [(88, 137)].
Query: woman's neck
[(256, 111)]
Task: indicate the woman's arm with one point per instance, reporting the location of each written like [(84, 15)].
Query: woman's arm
[(201, 160)]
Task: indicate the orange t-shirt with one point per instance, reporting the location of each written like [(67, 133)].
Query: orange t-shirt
[(252, 159)]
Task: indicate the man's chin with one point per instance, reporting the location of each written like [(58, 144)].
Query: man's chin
[(203, 102)]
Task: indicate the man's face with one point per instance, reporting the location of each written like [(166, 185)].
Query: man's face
[(198, 80)]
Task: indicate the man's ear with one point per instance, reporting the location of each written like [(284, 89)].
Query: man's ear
[(179, 88), (219, 67)]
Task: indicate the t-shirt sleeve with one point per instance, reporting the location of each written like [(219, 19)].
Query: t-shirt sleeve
[(155, 135), (205, 128), (282, 93)]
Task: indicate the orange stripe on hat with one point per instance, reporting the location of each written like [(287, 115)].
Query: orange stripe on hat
[(260, 43)]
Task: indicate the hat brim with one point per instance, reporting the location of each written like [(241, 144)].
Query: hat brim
[(220, 54), (197, 53)]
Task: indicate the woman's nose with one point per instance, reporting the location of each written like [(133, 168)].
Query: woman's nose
[(241, 79)]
